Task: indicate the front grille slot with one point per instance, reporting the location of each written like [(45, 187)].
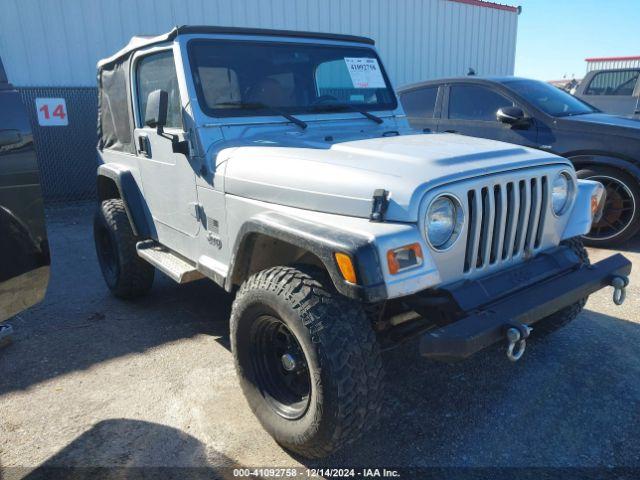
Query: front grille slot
[(473, 231), (523, 217), (505, 220), (485, 228), (501, 211), (543, 212), (513, 206)]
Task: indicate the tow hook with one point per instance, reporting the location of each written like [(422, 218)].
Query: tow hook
[(619, 285), (517, 335)]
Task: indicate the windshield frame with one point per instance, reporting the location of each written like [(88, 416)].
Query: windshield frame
[(231, 113), (509, 86)]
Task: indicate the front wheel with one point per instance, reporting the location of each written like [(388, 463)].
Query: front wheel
[(307, 360), (565, 316), (621, 216)]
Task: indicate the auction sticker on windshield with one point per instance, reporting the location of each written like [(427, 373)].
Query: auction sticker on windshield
[(365, 72)]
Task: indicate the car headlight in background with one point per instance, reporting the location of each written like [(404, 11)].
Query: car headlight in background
[(443, 222), (561, 192), (598, 199)]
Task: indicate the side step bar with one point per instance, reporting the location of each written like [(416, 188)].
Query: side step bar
[(168, 262)]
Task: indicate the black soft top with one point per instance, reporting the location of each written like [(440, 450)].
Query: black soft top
[(140, 41), (115, 114)]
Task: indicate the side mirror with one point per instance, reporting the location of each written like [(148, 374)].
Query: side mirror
[(156, 112), (511, 116)]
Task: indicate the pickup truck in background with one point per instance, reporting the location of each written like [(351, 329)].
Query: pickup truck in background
[(24, 249), (613, 91)]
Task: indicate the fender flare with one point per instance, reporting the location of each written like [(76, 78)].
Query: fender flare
[(320, 240), (130, 194), (584, 160)]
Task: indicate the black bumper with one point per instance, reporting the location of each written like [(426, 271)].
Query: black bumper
[(520, 295)]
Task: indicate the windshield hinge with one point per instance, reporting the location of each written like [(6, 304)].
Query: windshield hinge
[(379, 206)]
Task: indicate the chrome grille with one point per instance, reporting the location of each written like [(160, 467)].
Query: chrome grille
[(505, 220)]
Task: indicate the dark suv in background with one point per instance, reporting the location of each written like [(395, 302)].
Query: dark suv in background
[(602, 147), (24, 249)]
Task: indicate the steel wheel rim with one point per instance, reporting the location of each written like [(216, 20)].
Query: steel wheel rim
[(619, 210), (274, 350)]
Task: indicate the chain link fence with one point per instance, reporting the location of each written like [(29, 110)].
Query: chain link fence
[(66, 154)]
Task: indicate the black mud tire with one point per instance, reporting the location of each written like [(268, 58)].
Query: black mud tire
[(126, 274), (622, 207), (340, 349), (565, 316)]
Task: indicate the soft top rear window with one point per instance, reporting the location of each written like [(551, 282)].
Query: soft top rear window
[(115, 128)]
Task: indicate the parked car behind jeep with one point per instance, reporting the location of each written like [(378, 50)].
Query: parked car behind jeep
[(602, 147), (614, 91), (280, 165), (24, 249)]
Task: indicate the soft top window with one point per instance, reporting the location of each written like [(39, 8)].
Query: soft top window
[(239, 78), (157, 71), (115, 129)]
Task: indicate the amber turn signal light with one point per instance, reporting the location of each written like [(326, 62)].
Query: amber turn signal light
[(404, 258), (345, 264)]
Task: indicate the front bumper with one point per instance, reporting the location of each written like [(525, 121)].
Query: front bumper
[(522, 295)]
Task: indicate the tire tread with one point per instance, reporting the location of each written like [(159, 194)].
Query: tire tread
[(349, 347), (136, 275), (565, 316)]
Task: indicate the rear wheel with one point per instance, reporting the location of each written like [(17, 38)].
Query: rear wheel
[(307, 360), (126, 274), (621, 217)]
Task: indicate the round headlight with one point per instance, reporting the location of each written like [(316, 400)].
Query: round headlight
[(443, 222), (560, 192)]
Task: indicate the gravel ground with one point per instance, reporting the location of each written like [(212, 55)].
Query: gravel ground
[(93, 381)]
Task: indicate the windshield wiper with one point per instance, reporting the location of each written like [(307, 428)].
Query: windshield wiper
[(258, 105), (573, 114), (346, 106)]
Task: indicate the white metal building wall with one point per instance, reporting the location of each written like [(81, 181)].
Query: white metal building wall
[(619, 63), (56, 43)]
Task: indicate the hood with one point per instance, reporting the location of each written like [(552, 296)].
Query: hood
[(602, 122), (341, 179)]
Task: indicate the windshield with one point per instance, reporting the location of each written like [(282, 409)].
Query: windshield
[(240, 78), (550, 99)]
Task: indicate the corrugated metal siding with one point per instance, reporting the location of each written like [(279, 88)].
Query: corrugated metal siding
[(55, 43), (613, 64)]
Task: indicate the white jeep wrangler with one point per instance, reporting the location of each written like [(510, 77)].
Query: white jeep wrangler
[(280, 165)]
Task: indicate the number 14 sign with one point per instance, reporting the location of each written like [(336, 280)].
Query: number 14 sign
[(52, 112)]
